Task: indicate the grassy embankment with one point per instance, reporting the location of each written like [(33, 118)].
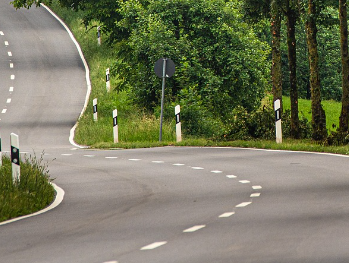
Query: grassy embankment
[(33, 193), (139, 129)]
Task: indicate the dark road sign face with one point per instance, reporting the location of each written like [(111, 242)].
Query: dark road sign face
[(159, 68)]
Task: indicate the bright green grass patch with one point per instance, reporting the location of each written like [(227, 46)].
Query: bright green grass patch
[(332, 110), (33, 193)]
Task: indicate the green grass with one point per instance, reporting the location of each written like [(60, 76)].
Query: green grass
[(332, 110), (33, 193), (135, 125)]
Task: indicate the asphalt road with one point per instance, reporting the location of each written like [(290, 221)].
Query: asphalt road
[(155, 205)]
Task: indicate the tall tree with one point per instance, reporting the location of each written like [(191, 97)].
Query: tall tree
[(291, 17), (318, 114), (276, 71), (344, 117)]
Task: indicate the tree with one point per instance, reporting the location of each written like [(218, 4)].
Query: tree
[(318, 114), (344, 117), (292, 16), (218, 56)]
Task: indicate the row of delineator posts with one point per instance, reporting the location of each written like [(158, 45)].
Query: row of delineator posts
[(15, 158), (116, 127)]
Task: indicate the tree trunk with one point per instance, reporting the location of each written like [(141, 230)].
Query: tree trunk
[(343, 120), (292, 62), (276, 72), (318, 114)]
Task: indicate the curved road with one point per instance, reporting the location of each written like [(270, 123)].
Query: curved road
[(154, 205)]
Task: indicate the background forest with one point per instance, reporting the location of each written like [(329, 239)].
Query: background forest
[(233, 59)]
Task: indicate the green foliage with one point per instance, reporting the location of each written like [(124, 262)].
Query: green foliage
[(260, 124), (33, 193), (214, 50)]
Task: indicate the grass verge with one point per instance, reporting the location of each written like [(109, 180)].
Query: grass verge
[(33, 193)]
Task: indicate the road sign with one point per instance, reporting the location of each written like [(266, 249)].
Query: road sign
[(159, 68)]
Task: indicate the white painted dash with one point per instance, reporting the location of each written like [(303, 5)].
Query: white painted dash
[(256, 187), (135, 160), (244, 204), (229, 214), (1, 33), (255, 195), (89, 155), (9, 54), (6, 43), (157, 161), (178, 164), (11, 89), (216, 172), (231, 176), (244, 181), (111, 157), (66, 154), (8, 101), (12, 77), (4, 111), (154, 245), (194, 228), (11, 65), (197, 168)]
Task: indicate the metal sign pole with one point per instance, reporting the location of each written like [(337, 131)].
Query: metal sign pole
[(162, 95)]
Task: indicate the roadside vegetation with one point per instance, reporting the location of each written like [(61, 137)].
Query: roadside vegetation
[(33, 193), (222, 75)]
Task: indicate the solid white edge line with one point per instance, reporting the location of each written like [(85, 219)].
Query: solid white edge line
[(88, 81), (58, 200), (285, 151)]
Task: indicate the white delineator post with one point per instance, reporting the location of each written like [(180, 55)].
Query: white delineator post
[(107, 79), (178, 123), (115, 126), (278, 129), (95, 116), (99, 36), (16, 169)]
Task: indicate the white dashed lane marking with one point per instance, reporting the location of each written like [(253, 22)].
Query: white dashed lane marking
[(256, 195), (197, 168), (158, 162), (231, 176), (8, 101), (244, 181), (178, 164), (3, 111), (12, 77), (66, 154), (111, 157), (216, 172), (11, 89), (256, 187), (134, 160), (1, 33), (6, 43), (229, 214), (194, 228), (89, 155), (244, 204), (154, 245), (9, 54), (11, 65)]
